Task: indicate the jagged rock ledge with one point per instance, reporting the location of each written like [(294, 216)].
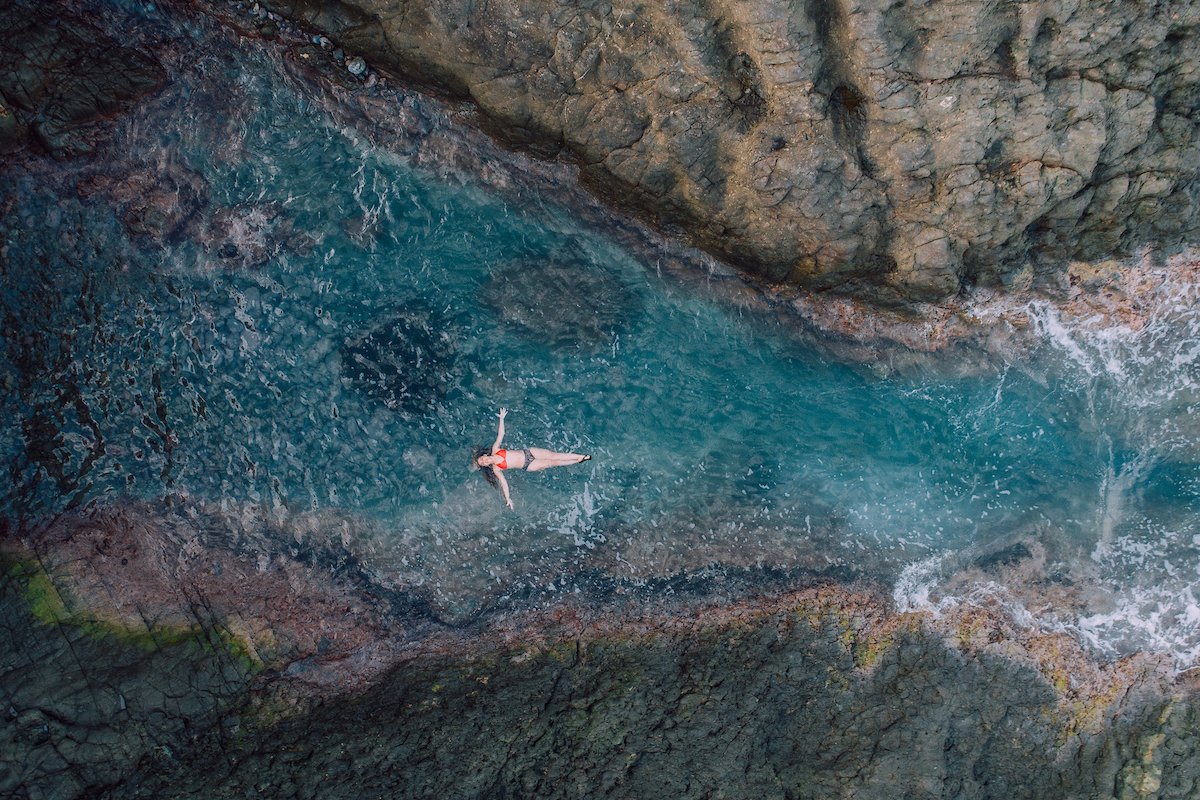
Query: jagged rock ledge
[(70, 77), (897, 154), (152, 652)]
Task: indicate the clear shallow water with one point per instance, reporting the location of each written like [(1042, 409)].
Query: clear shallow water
[(328, 319)]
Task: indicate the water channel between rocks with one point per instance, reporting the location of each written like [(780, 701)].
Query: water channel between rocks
[(265, 306)]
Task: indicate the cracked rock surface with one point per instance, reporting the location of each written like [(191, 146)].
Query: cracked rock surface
[(60, 75), (157, 652), (895, 151)]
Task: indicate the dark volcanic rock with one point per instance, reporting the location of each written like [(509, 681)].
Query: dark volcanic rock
[(62, 74), (10, 129), (1004, 556), (814, 696), (125, 634), (84, 702), (177, 653), (899, 151)]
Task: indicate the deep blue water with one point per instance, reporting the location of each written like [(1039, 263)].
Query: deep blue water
[(330, 319)]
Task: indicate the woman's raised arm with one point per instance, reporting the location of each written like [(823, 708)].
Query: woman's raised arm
[(500, 432)]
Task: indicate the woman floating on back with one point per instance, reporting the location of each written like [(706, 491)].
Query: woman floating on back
[(492, 463)]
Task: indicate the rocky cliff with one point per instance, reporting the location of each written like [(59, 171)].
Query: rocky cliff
[(898, 151), (155, 652)]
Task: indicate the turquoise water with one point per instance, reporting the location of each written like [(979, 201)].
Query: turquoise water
[(326, 318)]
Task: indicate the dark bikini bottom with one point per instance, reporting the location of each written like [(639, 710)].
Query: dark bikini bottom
[(528, 457)]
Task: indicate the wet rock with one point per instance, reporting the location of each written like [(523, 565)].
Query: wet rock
[(562, 299), (10, 129), (897, 153), (728, 535), (163, 204), (409, 361), (251, 234), (63, 75), (1004, 557), (356, 67)]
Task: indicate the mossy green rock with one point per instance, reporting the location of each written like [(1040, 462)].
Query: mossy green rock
[(86, 700)]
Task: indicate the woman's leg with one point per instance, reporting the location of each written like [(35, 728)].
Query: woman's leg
[(544, 459)]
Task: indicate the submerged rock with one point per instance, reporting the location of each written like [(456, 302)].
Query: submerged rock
[(562, 299), (163, 203), (251, 234), (899, 153), (409, 361)]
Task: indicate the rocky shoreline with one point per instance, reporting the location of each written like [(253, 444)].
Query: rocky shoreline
[(151, 653), (1115, 288), (900, 155)]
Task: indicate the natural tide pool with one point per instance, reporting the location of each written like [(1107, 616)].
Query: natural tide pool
[(264, 302)]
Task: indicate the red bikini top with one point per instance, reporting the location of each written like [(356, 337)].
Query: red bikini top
[(503, 454)]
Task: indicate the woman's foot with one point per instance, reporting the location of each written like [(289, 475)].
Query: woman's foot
[(585, 458)]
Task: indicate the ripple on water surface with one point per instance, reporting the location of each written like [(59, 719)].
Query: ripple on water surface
[(276, 306)]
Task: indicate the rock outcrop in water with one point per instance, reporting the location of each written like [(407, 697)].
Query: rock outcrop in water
[(899, 152), (159, 652), (60, 75), (560, 299)]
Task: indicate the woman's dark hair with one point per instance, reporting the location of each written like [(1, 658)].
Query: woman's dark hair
[(488, 475)]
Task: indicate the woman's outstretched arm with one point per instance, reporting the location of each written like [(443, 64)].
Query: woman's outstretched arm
[(500, 432), (503, 487)]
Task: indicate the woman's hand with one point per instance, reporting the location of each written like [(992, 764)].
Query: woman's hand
[(503, 413), (510, 505)]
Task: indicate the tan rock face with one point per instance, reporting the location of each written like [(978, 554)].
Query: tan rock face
[(893, 151)]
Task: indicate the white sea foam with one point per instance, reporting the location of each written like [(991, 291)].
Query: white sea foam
[(1163, 619), (914, 587), (575, 517), (1140, 380), (1132, 369)]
